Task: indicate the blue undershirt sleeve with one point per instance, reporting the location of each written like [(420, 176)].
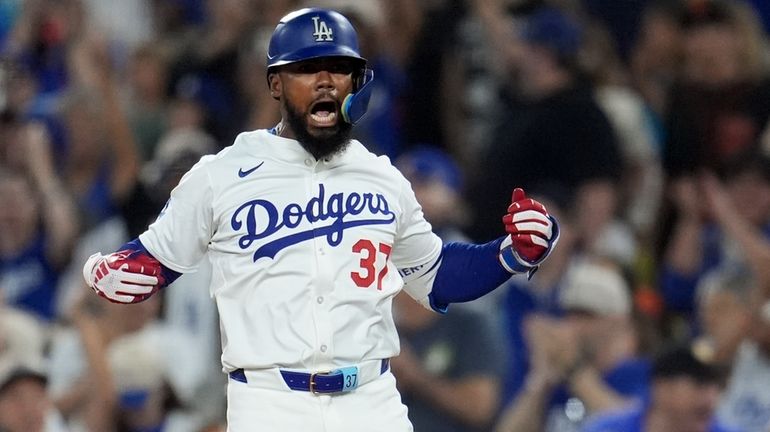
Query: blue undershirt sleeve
[(467, 272), (169, 276)]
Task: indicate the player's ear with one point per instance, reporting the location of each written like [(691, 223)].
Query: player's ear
[(275, 85)]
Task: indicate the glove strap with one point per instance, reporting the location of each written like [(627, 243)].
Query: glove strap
[(512, 262), (515, 264)]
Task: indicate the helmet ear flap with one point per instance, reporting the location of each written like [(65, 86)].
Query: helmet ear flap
[(355, 104), (359, 76)]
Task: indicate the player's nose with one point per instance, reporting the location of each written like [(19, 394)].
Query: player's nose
[(324, 80)]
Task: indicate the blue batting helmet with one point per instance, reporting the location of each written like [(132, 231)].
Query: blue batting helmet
[(312, 33)]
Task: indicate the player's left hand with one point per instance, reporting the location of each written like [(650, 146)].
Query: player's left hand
[(533, 233), (407, 368)]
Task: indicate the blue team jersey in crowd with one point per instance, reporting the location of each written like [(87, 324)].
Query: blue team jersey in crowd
[(631, 420), (28, 281)]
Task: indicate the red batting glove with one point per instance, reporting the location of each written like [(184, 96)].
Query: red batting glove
[(123, 277), (533, 234)]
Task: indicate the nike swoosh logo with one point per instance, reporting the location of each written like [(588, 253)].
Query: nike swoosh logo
[(242, 173)]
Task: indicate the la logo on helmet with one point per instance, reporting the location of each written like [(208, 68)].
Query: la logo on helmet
[(322, 31)]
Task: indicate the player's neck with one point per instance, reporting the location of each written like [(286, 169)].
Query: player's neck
[(283, 131)]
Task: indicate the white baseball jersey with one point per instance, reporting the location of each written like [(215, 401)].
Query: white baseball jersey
[(307, 255)]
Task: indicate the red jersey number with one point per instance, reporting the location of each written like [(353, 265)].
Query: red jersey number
[(365, 278)]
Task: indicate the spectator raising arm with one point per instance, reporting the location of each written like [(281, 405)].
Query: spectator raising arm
[(755, 245), (57, 208)]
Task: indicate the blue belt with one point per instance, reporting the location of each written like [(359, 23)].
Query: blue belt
[(336, 381)]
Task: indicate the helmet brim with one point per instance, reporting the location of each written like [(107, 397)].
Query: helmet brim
[(315, 52)]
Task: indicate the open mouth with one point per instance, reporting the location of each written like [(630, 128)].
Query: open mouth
[(324, 113)]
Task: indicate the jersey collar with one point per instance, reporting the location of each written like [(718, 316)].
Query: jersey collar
[(290, 150)]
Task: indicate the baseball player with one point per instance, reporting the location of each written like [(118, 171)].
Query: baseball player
[(310, 237)]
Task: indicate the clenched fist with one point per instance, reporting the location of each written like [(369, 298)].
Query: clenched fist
[(532, 234), (123, 277)]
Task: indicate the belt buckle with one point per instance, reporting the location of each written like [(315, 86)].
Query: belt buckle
[(312, 383)]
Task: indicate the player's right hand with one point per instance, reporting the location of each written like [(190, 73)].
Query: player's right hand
[(123, 277)]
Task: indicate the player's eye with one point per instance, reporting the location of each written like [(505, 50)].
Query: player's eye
[(342, 68), (307, 68), (337, 67)]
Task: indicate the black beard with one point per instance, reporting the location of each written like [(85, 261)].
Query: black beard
[(332, 140)]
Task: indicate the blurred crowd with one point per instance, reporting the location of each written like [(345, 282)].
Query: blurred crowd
[(643, 125)]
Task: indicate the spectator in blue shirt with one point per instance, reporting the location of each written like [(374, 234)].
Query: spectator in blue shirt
[(701, 242), (37, 221), (684, 395), (582, 363)]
